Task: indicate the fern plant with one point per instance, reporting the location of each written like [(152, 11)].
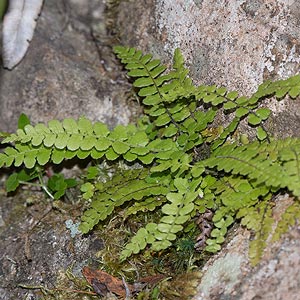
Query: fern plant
[(186, 164)]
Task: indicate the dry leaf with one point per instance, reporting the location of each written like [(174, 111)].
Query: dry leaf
[(103, 282), (18, 28)]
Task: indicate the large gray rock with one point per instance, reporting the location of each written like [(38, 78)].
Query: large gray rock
[(67, 72), (229, 275), (237, 44)]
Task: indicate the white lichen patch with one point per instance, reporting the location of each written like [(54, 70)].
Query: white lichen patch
[(73, 227), (223, 275)]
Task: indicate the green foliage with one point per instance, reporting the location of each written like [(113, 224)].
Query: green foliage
[(125, 186), (3, 7), (58, 185), (179, 164), (17, 178), (288, 218), (259, 219), (23, 121), (54, 186)]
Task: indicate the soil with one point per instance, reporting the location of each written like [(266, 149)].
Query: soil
[(36, 246)]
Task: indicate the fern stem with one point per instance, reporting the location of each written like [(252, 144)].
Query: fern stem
[(40, 185), (43, 186)]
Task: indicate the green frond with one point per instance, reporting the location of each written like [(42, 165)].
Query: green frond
[(26, 154), (280, 88), (228, 196), (140, 240), (288, 218), (261, 222), (64, 140), (130, 185), (149, 204), (168, 96), (259, 162), (290, 157), (217, 235), (177, 211)]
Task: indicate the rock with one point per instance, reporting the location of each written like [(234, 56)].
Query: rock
[(237, 44), (228, 275), (67, 72), (36, 245)]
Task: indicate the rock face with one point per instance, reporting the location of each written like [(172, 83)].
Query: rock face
[(228, 275), (67, 72), (233, 43), (36, 246), (237, 44)]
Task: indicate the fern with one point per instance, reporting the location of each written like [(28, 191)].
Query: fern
[(259, 219), (176, 213), (67, 139), (260, 162), (288, 218), (169, 99), (126, 186), (186, 164)]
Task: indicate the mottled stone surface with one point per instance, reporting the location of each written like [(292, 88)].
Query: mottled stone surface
[(36, 246), (66, 72), (237, 44), (229, 275)]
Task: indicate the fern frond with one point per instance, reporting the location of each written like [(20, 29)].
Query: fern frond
[(67, 139), (258, 161), (149, 204), (168, 96), (226, 195), (236, 193), (290, 157), (130, 185), (143, 237), (26, 154), (288, 218), (241, 104), (150, 75), (217, 235), (147, 71), (258, 218), (279, 88), (244, 107), (59, 141), (176, 212)]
